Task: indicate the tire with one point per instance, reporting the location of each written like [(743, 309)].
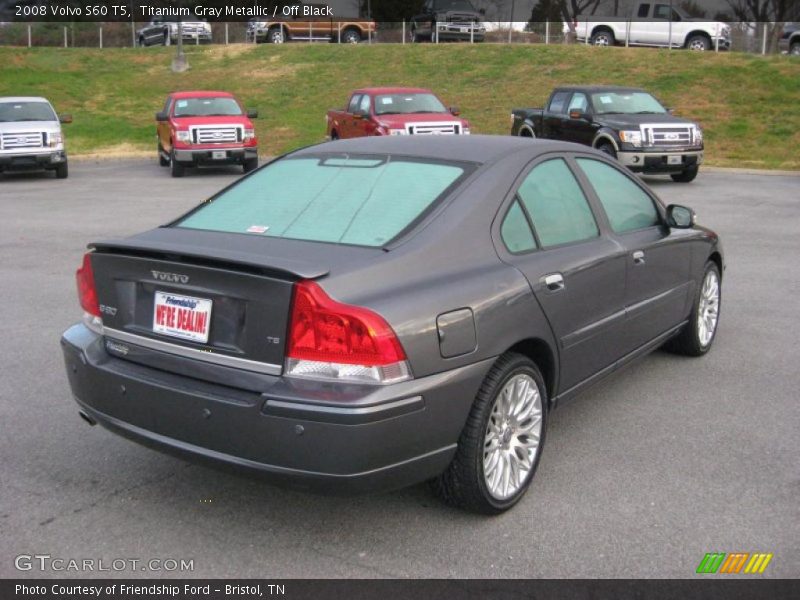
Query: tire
[(466, 483), (176, 168), (276, 36), (351, 36), (686, 176), (698, 43), (794, 50), (162, 162), (526, 132), (62, 170), (604, 37), (695, 339), (142, 43), (334, 135), (251, 164), (413, 37), (166, 41), (607, 148)]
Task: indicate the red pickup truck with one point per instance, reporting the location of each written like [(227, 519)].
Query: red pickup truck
[(394, 111), (205, 128)]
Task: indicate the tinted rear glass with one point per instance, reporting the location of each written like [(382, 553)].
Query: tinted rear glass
[(360, 200)]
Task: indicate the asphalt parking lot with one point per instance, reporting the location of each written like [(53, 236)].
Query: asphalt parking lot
[(640, 477)]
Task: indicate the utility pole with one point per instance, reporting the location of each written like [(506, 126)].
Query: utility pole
[(179, 63)]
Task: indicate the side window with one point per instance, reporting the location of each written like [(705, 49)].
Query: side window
[(628, 207), (351, 108), (557, 102), (661, 11), (515, 231), (579, 102), (556, 204), (364, 104), (644, 10)]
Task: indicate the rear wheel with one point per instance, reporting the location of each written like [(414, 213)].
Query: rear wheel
[(795, 49), (500, 446), (142, 43), (698, 334), (62, 170), (251, 164), (276, 36), (686, 175), (699, 43), (351, 36), (604, 37), (176, 168)]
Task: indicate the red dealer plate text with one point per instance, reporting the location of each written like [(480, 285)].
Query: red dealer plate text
[(182, 316)]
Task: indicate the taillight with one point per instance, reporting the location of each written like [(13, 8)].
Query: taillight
[(87, 293), (334, 341)]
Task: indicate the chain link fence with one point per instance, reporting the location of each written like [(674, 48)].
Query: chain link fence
[(758, 38)]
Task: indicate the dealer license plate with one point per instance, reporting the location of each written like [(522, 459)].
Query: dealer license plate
[(219, 155), (674, 160), (182, 316)]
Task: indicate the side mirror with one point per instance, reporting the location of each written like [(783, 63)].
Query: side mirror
[(680, 217), (454, 111), (162, 116), (579, 114), (359, 114), (65, 118), (252, 113)]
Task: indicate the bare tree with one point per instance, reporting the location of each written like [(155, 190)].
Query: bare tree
[(772, 13)]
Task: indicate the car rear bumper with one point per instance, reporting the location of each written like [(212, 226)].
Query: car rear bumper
[(308, 435), (33, 160), (654, 161), (205, 156)]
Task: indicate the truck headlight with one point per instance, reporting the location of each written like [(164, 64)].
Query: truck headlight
[(249, 134), (55, 139), (465, 130), (634, 138), (185, 137), (698, 135)]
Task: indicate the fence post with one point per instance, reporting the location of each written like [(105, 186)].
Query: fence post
[(627, 33), (404, 31), (101, 37), (764, 40), (716, 49), (226, 33), (309, 32), (29, 36), (65, 37), (133, 34), (546, 33), (586, 30), (339, 33)]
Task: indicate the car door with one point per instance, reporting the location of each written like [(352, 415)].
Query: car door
[(347, 129), (553, 117), (580, 130), (637, 28), (657, 285), (162, 127), (576, 271), (365, 125), (658, 29)]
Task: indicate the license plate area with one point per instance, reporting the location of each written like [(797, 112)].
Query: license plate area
[(219, 155), (675, 160), (184, 317)]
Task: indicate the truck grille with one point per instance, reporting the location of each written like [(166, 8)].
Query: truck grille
[(434, 129), (31, 139), (668, 136), (216, 135)]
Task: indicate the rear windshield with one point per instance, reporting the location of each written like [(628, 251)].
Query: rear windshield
[(207, 107), (344, 199), (26, 111)]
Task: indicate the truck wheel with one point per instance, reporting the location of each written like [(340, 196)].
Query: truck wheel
[(526, 132), (162, 162), (500, 446), (62, 170), (251, 164), (334, 135), (351, 36), (699, 43), (603, 37), (795, 49), (687, 175), (176, 168), (141, 42), (276, 36), (607, 148)]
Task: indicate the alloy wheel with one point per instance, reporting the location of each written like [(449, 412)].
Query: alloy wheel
[(708, 308)]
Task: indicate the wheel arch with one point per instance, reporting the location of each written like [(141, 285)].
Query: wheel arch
[(600, 28), (539, 351), (716, 258), (603, 137), (694, 33), (526, 127)]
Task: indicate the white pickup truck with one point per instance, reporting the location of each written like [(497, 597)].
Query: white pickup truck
[(653, 24), (30, 135)]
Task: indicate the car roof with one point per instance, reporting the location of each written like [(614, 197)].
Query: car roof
[(24, 99), (460, 148), (201, 94), (392, 90), (597, 88)]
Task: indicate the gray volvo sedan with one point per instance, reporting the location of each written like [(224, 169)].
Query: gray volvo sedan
[(371, 313)]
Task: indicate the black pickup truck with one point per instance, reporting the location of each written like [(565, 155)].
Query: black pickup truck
[(627, 123)]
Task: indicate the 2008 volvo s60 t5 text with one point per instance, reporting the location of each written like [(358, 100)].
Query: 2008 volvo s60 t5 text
[(371, 313)]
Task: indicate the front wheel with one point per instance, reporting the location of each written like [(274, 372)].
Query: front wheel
[(698, 334), (251, 164), (500, 446), (351, 36), (176, 168), (606, 148), (276, 36), (603, 38), (699, 43), (686, 176), (62, 170), (795, 49)]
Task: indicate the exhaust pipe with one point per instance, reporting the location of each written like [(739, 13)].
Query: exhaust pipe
[(87, 418)]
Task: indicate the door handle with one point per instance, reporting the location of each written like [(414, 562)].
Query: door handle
[(638, 257), (554, 282)]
